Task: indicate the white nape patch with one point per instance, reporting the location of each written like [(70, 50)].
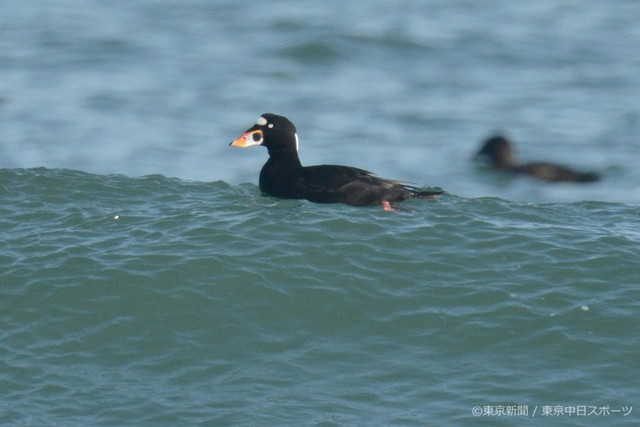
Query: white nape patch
[(261, 121), (297, 142)]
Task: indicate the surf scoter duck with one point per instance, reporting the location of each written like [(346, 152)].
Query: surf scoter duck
[(501, 155), (284, 176)]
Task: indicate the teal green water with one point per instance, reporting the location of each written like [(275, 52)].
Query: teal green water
[(158, 301)]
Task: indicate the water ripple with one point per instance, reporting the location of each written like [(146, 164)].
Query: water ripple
[(211, 297)]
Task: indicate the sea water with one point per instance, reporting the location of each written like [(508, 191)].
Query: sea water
[(145, 280)]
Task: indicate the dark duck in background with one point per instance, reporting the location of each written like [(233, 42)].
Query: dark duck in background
[(284, 176), (500, 154)]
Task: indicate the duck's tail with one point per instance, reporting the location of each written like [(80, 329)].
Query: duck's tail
[(588, 177), (424, 194)]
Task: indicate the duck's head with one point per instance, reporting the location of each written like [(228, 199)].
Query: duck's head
[(277, 133), (498, 152)]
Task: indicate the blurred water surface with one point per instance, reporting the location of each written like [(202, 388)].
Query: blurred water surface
[(407, 89)]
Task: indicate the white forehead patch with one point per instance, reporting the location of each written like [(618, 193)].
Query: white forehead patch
[(261, 121)]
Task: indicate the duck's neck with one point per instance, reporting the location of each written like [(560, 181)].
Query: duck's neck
[(280, 175), (284, 158), (505, 159)]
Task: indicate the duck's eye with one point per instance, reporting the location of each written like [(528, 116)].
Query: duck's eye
[(270, 125)]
